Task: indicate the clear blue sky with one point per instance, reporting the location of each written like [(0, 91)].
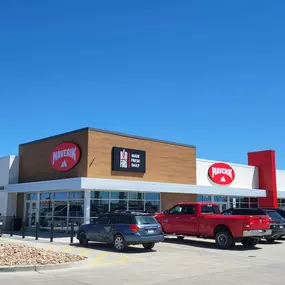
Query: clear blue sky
[(206, 73)]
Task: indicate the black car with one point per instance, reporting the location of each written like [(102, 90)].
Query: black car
[(277, 221), (281, 212)]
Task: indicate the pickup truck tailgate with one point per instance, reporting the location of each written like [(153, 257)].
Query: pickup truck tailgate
[(257, 223)]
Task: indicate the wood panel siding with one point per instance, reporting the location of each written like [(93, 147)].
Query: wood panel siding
[(34, 162), (165, 162), (168, 200)]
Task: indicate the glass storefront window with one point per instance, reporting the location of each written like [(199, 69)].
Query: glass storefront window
[(65, 208), (76, 195), (218, 199), (152, 206), (118, 195), (98, 207), (61, 196), (152, 196), (77, 222), (136, 196), (253, 200), (118, 205), (60, 209), (204, 198), (31, 196), (99, 195), (136, 205), (46, 196), (76, 208)]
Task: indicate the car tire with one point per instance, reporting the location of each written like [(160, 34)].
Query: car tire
[(148, 246), (180, 237), (224, 240), (83, 239), (119, 243), (249, 242)]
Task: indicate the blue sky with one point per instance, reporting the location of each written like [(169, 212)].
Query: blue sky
[(205, 73)]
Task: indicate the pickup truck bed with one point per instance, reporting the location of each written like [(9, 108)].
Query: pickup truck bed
[(205, 220)]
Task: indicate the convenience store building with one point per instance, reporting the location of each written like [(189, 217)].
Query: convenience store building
[(75, 176)]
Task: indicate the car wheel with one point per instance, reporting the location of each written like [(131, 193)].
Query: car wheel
[(249, 242), (149, 245), (119, 243), (83, 239), (180, 237), (224, 240)]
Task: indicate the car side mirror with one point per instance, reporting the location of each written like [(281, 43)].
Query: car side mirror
[(166, 212)]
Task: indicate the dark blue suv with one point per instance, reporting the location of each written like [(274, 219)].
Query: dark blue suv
[(122, 229)]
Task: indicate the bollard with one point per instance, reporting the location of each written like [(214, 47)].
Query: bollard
[(71, 233), (51, 232), (37, 230), (23, 230), (12, 228)]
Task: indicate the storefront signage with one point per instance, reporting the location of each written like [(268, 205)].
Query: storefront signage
[(129, 160), (65, 156), (221, 173)]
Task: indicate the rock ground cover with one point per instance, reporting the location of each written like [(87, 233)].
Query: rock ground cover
[(17, 255)]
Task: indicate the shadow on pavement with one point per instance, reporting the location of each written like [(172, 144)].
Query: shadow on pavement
[(205, 244), (110, 248), (265, 242)]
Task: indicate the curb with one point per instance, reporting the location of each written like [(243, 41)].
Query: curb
[(36, 268)]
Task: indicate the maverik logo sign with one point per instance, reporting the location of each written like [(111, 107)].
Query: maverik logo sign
[(65, 156), (221, 173)]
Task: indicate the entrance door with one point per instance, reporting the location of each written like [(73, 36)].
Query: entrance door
[(30, 215)]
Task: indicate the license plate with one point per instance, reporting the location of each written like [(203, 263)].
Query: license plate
[(150, 232)]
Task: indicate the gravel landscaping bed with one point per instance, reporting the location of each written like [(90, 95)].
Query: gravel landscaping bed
[(13, 255)]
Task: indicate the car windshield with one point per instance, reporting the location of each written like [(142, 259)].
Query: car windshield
[(274, 215), (145, 220)]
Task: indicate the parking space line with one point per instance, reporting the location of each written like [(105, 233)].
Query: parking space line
[(122, 260), (101, 256), (67, 250), (51, 247), (84, 252)]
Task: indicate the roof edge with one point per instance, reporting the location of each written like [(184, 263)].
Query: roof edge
[(111, 133), (55, 136), (140, 137)]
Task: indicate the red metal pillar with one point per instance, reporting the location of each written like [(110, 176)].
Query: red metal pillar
[(265, 161)]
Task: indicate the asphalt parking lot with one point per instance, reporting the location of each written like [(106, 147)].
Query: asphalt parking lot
[(191, 261)]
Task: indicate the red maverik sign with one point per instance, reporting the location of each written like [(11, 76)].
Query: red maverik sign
[(65, 156), (221, 173)]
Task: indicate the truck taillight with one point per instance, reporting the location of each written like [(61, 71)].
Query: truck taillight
[(134, 228), (247, 223)]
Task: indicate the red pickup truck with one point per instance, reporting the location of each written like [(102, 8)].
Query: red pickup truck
[(205, 220)]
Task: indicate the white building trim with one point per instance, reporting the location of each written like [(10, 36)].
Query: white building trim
[(83, 183), (281, 194)]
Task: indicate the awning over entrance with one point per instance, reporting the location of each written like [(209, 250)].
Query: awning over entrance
[(81, 183)]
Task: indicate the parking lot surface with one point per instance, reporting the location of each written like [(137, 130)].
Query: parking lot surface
[(192, 261)]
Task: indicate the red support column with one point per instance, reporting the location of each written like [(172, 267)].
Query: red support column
[(265, 161)]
